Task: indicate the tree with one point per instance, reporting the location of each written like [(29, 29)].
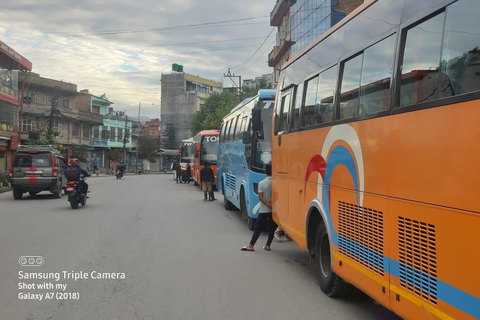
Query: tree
[(79, 152), (168, 140), (147, 148), (212, 112), (112, 155)]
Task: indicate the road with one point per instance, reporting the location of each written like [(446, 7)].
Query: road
[(179, 256)]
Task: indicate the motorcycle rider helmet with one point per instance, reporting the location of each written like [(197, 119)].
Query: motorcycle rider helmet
[(74, 161)]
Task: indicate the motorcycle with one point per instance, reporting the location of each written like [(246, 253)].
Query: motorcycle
[(75, 194), (119, 174)]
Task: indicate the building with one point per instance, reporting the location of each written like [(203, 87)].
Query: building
[(50, 107), (300, 22), (182, 96), (11, 62), (113, 133), (152, 129), (255, 83)]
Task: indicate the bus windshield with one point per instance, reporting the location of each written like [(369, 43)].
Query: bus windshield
[(262, 146), (209, 149), (186, 151)]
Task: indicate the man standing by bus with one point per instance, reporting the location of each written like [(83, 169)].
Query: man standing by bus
[(265, 214), (206, 175)]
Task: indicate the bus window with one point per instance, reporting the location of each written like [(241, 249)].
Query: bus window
[(222, 132), (241, 127), (310, 98), (285, 108), (236, 129), (349, 101), (460, 50), (324, 99), (421, 62), (227, 131), (296, 116), (376, 73)]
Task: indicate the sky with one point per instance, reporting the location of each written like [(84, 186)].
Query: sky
[(121, 47)]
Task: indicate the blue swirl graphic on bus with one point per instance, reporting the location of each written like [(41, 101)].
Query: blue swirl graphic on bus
[(339, 156)]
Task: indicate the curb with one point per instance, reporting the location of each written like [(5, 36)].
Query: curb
[(5, 189)]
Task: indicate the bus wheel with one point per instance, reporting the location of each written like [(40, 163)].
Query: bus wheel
[(243, 206), (227, 204), (330, 283)]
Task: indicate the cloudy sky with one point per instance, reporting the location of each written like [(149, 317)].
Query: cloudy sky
[(121, 47)]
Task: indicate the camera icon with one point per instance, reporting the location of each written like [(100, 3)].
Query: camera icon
[(31, 261)]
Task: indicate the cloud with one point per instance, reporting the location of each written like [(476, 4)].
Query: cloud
[(123, 47)]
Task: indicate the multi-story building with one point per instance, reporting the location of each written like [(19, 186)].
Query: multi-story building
[(300, 22), (152, 129), (114, 131), (50, 107), (253, 83), (182, 96), (10, 102)]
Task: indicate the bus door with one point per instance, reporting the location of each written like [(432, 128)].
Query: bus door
[(281, 161)]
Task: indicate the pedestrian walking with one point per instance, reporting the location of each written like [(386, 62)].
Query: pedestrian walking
[(188, 173), (173, 168), (178, 170), (265, 214), (206, 175)]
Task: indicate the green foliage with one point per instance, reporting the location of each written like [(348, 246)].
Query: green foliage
[(4, 179), (147, 148), (111, 155), (41, 142), (79, 152), (168, 141), (212, 112)]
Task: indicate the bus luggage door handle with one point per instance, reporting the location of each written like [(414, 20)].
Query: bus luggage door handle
[(279, 141), (300, 190)]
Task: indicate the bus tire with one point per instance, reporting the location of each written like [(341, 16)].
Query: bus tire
[(227, 204), (243, 206), (330, 283)]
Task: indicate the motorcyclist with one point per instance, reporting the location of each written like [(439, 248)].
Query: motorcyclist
[(121, 166), (80, 171)]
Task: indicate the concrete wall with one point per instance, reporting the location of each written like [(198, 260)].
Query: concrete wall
[(178, 105)]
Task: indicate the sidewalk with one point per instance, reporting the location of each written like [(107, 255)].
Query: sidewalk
[(5, 189)]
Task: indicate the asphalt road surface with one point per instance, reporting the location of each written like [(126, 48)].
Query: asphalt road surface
[(145, 247)]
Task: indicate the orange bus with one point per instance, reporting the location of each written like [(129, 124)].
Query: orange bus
[(205, 146), (185, 151), (374, 156)]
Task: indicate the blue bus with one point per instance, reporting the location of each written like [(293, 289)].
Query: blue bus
[(243, 153)]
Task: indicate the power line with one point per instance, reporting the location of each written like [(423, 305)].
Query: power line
[(201, 42), (179, 27), (251, 57)]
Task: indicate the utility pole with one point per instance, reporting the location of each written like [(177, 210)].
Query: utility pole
[(125, 141), (239, 86), (53, 111), (138, 134)]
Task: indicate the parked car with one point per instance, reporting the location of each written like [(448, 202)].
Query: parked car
[(37, 169)]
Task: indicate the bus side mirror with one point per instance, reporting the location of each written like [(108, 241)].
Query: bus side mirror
[(197, 147), (256, 119), (246, 138)]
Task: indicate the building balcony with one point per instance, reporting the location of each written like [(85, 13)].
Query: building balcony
[(279, 11), (278, 52)]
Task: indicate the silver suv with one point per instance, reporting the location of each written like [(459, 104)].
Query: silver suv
[(36, 169)]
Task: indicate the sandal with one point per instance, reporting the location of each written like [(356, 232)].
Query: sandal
[(246, 249), (265, 248)]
